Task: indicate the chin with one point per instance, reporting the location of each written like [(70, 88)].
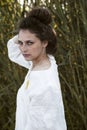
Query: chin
[(27, 59)]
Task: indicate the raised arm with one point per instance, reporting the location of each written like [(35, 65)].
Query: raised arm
[(14, 53)]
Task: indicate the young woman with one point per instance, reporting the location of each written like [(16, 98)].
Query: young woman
[(39, 99)]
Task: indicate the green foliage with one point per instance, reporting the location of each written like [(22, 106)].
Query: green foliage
[(71, 26), (70, 23), (10, 74)]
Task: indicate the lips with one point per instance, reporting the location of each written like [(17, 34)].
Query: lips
[(26, 55)]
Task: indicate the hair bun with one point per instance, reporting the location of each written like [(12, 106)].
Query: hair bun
[(41, 14)]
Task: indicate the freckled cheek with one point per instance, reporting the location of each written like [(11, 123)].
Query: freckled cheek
[(34, 50), (21, 49)]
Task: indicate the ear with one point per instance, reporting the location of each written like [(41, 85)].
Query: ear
[(45, 43)]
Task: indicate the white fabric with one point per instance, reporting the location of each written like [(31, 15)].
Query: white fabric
[(39, 99), (14, 53)]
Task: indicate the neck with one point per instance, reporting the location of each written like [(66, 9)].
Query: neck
[(41, 63)]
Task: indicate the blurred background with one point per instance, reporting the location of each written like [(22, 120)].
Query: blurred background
[(70, 23)]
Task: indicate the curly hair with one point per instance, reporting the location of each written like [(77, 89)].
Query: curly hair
[(38, 21)]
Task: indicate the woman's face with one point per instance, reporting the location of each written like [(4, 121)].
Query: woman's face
[(31, 47)]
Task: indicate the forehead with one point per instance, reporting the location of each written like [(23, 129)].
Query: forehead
[(26, 35)]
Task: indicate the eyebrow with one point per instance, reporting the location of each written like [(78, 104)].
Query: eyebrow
[(19, 41), (26, 41)]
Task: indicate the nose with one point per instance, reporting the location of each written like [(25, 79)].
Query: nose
[(24, 48)]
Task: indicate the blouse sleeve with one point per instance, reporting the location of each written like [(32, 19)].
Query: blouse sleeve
[(14, 53), (46, 112)]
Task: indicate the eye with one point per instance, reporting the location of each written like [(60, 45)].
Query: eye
[(20, 42), (29, 42)]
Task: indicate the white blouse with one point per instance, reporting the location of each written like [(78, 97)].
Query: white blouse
[(39, 99)]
